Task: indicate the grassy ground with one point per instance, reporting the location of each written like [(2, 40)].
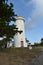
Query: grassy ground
[(17, 56)]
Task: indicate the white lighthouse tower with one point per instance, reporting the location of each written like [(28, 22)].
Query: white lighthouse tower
[(19, 39)]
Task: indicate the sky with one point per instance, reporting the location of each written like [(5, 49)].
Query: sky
[(32, 11)]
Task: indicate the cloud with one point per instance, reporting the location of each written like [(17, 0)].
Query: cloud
[(29, 24), (37, 14)]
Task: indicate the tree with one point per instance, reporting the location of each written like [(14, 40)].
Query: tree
[(7, 15), (36, 44), (41, 43), (27, 41)]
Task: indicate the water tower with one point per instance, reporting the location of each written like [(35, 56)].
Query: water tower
[(19, 39)]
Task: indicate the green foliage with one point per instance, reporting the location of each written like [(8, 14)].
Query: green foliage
[(41, 43), (7, 15), (27, 40), (36, 44)]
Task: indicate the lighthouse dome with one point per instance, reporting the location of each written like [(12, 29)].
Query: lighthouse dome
[(20, 18)]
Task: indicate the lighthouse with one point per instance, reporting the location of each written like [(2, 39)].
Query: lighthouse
[(19, 39)]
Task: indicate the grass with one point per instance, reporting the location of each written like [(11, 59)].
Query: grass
[(17, 56)]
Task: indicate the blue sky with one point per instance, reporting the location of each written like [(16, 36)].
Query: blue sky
[(32, 11)]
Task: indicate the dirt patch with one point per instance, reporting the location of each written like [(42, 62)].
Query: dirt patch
[(17, 56)]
